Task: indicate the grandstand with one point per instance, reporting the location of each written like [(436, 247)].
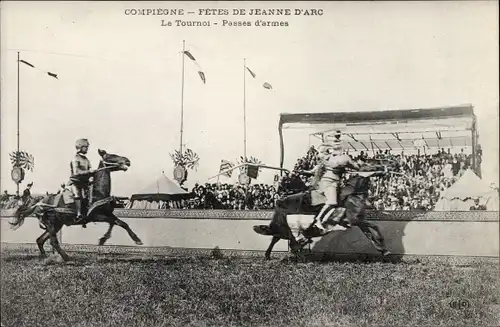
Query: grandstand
[(411, 131)]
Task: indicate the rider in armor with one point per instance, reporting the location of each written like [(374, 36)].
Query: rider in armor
[(327, 176), (81, 174), (335, 165)]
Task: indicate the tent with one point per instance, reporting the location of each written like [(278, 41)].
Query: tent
[(461, 195), (161, 194)]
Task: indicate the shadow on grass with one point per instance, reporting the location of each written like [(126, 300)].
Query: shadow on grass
[(136, 259), (21, 257), (50, 260), (353, 245), (325, 258)]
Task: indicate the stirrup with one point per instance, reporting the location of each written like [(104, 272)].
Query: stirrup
[(320, 226), (345, 223)]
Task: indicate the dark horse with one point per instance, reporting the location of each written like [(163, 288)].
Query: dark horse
[(53, 213), (353, 198)]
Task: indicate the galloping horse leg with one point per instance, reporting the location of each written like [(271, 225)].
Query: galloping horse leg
[(106, 236), (294, 246), (53, 229), (125, 226), (270, 248), (372, 232), (40, 241)]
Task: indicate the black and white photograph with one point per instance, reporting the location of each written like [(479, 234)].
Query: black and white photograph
[(249, 163)]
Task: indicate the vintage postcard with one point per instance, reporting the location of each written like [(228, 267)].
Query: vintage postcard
[(249, 163)]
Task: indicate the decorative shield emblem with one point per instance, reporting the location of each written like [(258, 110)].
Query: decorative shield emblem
[(252, 171), (244, 179), (17, 174), (180, 174)]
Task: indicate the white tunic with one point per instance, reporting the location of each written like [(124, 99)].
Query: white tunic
[(334, 167)]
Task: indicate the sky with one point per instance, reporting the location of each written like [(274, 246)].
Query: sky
[(120, 79)]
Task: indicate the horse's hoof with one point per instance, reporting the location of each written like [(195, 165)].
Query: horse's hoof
[(138, 243)]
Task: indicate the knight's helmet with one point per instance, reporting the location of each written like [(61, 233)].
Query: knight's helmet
[(81, 143)]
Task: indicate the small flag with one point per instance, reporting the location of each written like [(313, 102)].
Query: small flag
[(225, 165), (200, 71), (33, 66), (266, 85), (202, 76), (27, 63), (252, 171), (251, 72), (189, 55)]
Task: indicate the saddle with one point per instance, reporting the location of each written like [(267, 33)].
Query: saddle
[(64, 203)]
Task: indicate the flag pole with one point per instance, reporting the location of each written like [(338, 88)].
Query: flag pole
[(244, 112), (245, 125), (182, 93), (17, 155)]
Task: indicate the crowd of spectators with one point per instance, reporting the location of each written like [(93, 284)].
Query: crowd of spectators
[(236, 197), (8, 201)]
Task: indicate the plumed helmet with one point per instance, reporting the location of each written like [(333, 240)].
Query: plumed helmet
[(81, 143)]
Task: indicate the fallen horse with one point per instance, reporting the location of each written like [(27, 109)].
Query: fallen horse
[(353, 202)]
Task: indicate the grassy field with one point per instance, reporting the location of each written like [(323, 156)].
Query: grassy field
[(112, 290)]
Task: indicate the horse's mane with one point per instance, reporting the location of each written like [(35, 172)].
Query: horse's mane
[(102, 183), (49, 198)]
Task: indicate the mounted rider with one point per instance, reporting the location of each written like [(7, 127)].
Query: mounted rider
[(335, 165), (81, 175)]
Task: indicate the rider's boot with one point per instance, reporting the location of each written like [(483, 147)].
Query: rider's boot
[(319, 218)]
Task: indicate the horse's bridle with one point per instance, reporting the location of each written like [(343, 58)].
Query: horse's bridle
[(108, 165)]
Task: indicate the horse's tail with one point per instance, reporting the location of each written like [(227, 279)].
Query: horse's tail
[(20, 215), (263, 230), (278, 222), (278, 226)]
